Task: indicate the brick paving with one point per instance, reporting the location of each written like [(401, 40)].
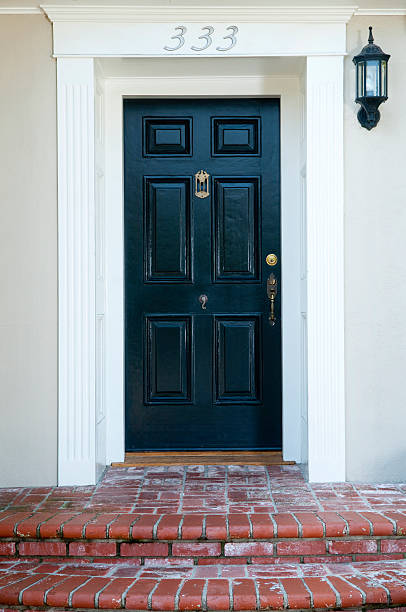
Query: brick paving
[(204, 538), (207, 490), (122, 585)]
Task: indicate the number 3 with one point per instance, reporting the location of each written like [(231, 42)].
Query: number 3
[(179, 37), (232, 37), (207, 37)]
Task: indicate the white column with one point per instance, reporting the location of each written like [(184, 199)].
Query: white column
[(325, 251), (76, 252)]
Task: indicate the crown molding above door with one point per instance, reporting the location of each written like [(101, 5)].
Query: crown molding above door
[(381, 12), (195, 14), (120, 13), (20, 10)]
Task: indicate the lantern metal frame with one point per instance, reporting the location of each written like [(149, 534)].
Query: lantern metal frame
[(371, 56)]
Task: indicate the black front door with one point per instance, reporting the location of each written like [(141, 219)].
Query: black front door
[(203, 362)]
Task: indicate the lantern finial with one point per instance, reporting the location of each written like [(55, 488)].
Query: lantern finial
[(370, 37)]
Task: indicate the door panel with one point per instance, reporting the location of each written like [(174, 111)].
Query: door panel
[(168, 229), (201, 377), (238, 360), (236, 136), (236, 219), (168, 360), (167, 137)]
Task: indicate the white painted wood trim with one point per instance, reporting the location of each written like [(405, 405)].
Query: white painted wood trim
[(271, 14), (188, 13), (20, 10), (324, 191), (287, 88), (76, 267), (114, 258), (151, 39), (100, 289), (382, 12), (325, 281)]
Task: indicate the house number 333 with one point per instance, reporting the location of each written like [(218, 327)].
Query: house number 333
[(206, 38)]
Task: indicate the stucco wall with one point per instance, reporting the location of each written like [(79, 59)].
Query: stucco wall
[(375, 266), (28, 253)]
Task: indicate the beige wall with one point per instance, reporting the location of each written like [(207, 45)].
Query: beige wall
[(375, 266), (28, 253)]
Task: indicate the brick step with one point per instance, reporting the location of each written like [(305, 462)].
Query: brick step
[(121, 585), (195, 539), (320, 550), (194, 526)]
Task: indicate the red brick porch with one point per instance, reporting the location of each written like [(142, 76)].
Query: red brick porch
[(204, 537), (208, 489)]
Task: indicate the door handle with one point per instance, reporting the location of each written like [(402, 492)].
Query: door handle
[(272, 290)]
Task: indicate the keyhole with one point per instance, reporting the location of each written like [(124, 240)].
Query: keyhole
[(203, 299)]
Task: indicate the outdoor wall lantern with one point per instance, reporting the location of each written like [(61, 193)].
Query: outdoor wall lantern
[(371, 82)]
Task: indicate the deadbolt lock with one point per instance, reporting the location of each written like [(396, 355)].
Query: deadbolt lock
[(271, 259)]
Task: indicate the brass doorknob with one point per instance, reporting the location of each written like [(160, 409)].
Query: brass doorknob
[(271, 259)]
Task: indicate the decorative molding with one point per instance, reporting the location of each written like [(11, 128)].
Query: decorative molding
[(144, 14), (382, 12), (325, 266), (20, 10), (196, 14), (76, 268)]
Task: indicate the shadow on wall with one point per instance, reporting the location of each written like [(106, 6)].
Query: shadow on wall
[(394, 463)]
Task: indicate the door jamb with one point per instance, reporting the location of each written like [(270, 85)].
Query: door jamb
[(287, 88)]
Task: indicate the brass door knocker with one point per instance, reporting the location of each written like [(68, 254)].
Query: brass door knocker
[(202, 184)]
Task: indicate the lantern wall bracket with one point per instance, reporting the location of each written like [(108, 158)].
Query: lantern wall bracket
[(369, 115)]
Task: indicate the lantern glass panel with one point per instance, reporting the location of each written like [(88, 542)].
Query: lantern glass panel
[(372, 78), (360, 79), (384, 79)]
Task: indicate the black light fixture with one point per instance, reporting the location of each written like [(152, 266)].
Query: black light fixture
[(371, 82)]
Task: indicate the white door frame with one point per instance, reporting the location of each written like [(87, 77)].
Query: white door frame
[(285, 88), (82, 33)]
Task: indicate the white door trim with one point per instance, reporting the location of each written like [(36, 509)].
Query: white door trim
[(324, 46), (189, 13), (325, 265), (76, 272), (287, 88)]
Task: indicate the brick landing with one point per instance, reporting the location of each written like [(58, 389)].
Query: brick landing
[(207, 490)]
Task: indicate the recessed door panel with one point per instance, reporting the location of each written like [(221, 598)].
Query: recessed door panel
[(238, 359), (202, 359), (236, 214), (168, 229), (236, 136), (168, 359), (166, 136)]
